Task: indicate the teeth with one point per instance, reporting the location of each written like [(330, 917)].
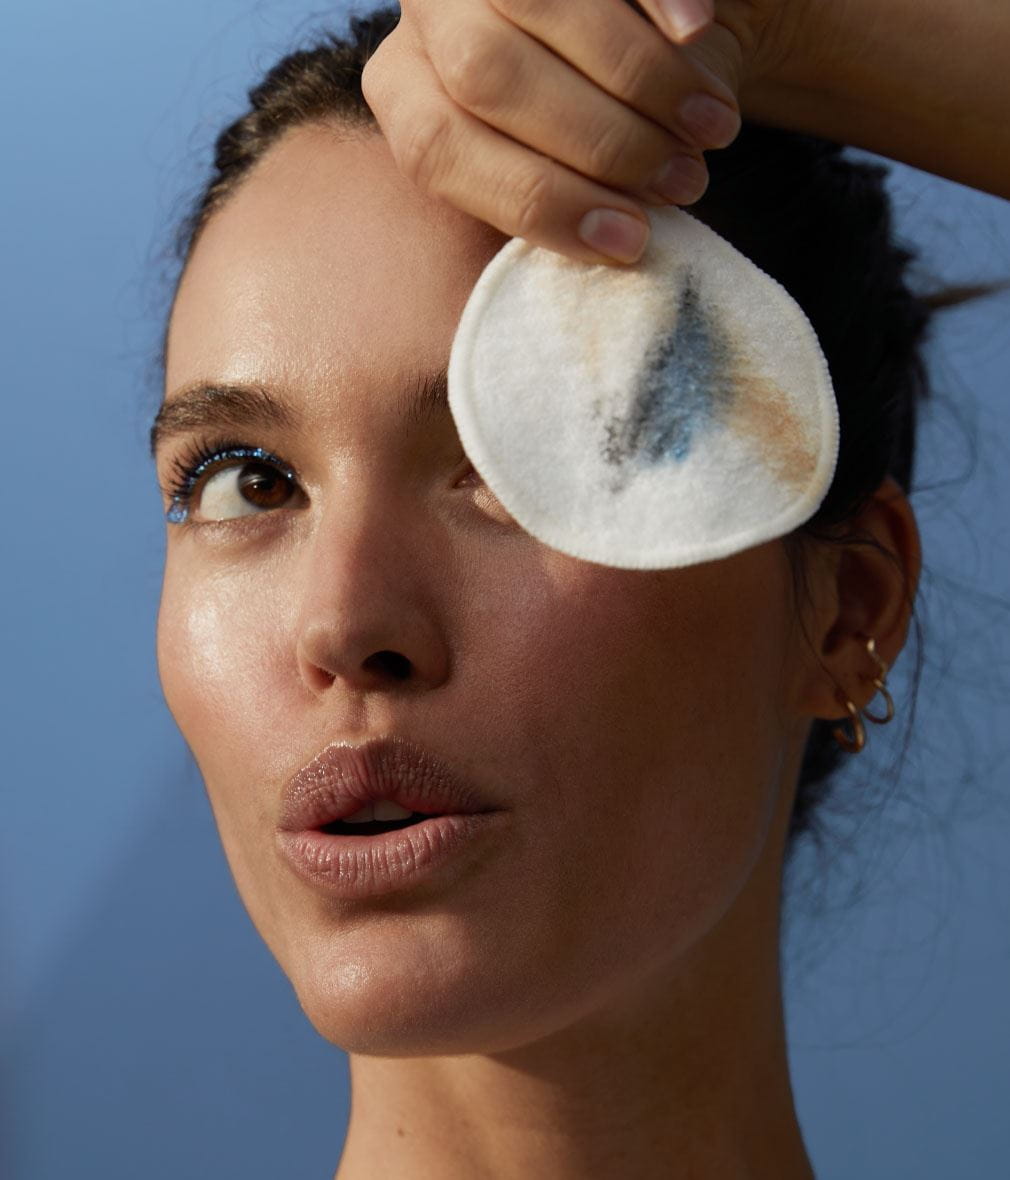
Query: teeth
[(381, 809), (387, 809)]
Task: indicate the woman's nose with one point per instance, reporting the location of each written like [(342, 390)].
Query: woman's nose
[(371, 614)]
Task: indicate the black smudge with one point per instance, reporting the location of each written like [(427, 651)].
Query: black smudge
[(685, 384)]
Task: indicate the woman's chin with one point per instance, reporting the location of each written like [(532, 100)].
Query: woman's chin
[(394, 1020), (399, 1000), (417, 1005)]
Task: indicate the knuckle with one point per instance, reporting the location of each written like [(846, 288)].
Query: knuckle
[(381, 67), (533, 193), (423, 153), (480, 70), (371, 80), (631, 64), (610, 151)]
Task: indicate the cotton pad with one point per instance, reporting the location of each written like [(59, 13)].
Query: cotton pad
[(674, 411)]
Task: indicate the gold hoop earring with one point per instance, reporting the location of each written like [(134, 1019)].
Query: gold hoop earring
[(878, 684), (857, 740)]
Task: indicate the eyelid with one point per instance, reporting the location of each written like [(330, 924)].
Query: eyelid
[(204, 458), (466, 467)]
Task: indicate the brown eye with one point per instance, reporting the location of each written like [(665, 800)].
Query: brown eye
[(263, 485), (244, 490)]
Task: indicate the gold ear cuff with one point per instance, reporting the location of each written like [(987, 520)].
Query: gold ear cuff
[(854, 739)]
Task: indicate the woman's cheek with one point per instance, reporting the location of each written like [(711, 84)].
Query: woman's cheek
[(212, 645)]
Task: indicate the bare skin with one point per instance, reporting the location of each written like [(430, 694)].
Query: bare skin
[(600, 996), (530, 116)]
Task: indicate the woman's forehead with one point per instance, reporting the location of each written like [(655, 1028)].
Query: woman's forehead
[(324, 259)]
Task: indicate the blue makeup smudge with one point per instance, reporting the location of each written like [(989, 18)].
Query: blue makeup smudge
[(685, 385), (177, 513)]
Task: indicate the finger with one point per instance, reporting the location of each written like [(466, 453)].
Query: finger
[(452, 155), (513, 84), (683, 20), (608, 43)]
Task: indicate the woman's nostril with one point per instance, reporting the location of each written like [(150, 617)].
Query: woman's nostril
[(389, 663)]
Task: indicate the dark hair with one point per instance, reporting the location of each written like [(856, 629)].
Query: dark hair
[(816, 220)]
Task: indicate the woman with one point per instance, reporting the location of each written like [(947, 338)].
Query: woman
[(566, 962)]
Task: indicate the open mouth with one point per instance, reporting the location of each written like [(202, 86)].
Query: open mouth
[(372, 827)]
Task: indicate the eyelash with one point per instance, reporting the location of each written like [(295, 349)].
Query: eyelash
[(193, 464), (200, 457)]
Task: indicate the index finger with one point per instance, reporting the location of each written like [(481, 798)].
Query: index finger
[(450, 154), (619, 48)]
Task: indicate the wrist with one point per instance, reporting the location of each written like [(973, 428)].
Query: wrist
[(796, 62)]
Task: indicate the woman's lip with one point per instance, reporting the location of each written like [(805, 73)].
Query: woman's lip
[(343, 777), (353, 868)]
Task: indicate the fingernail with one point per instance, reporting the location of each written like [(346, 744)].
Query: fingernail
[(683, 179), (616, 234), (684, 16), (710, 121)]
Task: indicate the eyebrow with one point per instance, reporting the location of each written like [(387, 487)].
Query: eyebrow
[(212, 406)]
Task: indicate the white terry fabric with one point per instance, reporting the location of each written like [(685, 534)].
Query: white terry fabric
[(648, 416)]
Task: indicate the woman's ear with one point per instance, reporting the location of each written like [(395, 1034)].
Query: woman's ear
[(863, 590)]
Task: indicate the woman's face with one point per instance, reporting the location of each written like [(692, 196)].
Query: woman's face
[(637, 730)]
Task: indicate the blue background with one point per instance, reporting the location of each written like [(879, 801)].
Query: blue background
[(146, 1030)]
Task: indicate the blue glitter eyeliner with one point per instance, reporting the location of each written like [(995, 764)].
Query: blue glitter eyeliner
[(191, 469)]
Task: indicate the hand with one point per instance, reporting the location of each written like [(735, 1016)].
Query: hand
[(534, 115)]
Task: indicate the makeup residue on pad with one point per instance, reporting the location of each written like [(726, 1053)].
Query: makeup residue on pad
[(763, 414), (685, 386)]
